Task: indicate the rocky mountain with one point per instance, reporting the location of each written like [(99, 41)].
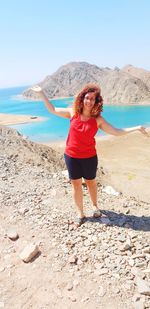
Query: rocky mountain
[(128, 85), (140, 73), (20, 152)]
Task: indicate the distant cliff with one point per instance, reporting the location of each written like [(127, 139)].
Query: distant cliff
[(128, 85)]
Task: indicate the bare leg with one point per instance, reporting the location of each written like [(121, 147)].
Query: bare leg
[(92, 188), (78, 196)]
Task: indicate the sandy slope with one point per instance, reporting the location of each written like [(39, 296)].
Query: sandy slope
[(126, 160)]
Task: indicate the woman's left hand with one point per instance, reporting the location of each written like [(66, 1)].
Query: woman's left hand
[(143, 131)]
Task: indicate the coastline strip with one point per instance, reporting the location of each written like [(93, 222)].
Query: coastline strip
[(9, 119)]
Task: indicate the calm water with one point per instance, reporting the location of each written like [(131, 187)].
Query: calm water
[(56, 128)]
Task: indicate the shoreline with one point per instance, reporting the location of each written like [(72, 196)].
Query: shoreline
[(102, 138), (142, 103), (14, 119), (11, 119), (20, 96), (61, 143)]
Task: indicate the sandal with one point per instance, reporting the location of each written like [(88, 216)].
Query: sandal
[(97, 213), (79, 221)]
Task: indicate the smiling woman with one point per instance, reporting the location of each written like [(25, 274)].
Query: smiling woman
[(89, 98), (80, 152)]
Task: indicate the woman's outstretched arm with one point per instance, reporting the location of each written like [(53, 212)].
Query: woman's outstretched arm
[(62, 112), (108, 128)]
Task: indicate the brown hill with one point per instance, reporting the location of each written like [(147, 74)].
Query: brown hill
[(19, 151), (140, 73), (119, 86)]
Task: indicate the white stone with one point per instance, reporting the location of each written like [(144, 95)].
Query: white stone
[(143, 286), (69, 286), (23, 210), (146, 250), (53, 192), (101, 291), (12, 234), (110, 190), (137, 272), (72, 259), (146, 271), (85, 299), (76, 283), (29, 252), (131, 262), (102, 271), (65, 173)]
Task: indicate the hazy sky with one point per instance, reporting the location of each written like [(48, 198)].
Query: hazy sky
[(38, 36)]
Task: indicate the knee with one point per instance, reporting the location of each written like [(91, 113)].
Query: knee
[(77, 184), (90, 182)]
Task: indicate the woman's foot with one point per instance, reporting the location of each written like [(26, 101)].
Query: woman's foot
[(79, 221), (97, 213)]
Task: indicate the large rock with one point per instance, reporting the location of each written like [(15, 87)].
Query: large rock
[(29, 252)]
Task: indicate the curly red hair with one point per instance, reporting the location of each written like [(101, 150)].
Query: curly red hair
[(98, 106)]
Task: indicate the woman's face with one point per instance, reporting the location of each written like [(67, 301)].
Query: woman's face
[(89, 101)]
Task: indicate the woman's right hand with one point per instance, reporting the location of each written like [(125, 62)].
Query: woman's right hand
[(37, 89)]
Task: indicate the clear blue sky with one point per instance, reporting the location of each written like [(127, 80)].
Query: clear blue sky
[(38, 36)]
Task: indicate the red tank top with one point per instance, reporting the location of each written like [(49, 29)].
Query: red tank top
[(81, 142)]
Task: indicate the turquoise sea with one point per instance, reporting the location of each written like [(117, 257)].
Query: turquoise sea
[(55, 128)]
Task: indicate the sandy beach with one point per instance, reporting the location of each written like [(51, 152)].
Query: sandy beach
[(9, 119), (126, 162)]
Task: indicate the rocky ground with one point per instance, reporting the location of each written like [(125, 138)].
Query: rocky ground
[(103, 264)]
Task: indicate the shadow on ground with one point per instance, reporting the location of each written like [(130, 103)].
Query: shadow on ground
[(122, 220)]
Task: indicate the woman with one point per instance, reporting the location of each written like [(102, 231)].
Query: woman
[(80, 153)]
